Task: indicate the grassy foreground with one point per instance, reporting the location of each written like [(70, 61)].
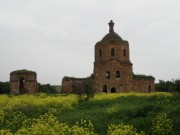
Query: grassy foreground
[(129, 113)]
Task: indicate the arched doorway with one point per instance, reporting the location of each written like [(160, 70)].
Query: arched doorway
[(22, 86), (105, 88), (113, 90)]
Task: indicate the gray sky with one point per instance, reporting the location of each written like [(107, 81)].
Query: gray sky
[(56, 38)]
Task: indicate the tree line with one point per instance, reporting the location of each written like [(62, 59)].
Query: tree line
[(168, 86), (4, 87)]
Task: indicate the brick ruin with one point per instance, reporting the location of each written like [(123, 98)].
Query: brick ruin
[(72, 85), (23, 81), (113, 71)]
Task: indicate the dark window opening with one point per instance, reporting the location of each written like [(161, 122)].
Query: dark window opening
[(149, 88), (100, 53), (107, 74), (105, 88), (113, 90), (112, 52), (117, 74), (124, 52)]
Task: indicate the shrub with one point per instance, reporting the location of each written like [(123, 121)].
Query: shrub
[(5, 132), (14, 120), (83, 127), (162, 125), (161, 99), (46, 88), (48, 124), (122, 129)]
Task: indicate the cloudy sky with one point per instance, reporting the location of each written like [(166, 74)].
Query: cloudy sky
[(56, 38)]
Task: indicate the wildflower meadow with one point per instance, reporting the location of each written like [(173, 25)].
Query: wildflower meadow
[(106, 114)]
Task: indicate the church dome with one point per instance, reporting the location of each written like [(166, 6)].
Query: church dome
[(111, 36)]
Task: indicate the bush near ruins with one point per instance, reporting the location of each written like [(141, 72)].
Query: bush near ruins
[(89, 87), (46, 88)]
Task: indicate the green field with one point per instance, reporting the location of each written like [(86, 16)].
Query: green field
[(130, 113)]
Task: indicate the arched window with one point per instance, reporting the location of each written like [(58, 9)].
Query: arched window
[(105, 88), (100, 53), (107, 74), (112, 52), (124, 53), (117, 74)]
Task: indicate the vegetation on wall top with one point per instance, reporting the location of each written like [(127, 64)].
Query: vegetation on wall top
[(140, 76), (23, 71), (66, 78)]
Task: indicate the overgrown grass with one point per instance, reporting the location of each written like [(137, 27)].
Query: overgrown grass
[(104, 110)]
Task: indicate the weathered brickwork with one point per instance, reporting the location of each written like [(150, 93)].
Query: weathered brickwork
[(23, 81), (113, 69), (72, 85), (143, 85)]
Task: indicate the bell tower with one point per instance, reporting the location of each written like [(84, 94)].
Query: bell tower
[(112, 66)]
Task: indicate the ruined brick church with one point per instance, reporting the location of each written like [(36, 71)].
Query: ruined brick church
[(113, 71)]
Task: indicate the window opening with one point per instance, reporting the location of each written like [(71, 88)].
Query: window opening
[(149, 88), (112, 52), (100, 53), (117, 74), (107, 74), (124, 52)]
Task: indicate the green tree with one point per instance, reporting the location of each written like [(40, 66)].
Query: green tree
[(4, 87), (165, 86), (168, 86), (177, 85), (46, 88), (89, 87)]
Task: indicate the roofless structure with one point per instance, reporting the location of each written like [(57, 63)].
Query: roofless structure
[(23, 81)]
